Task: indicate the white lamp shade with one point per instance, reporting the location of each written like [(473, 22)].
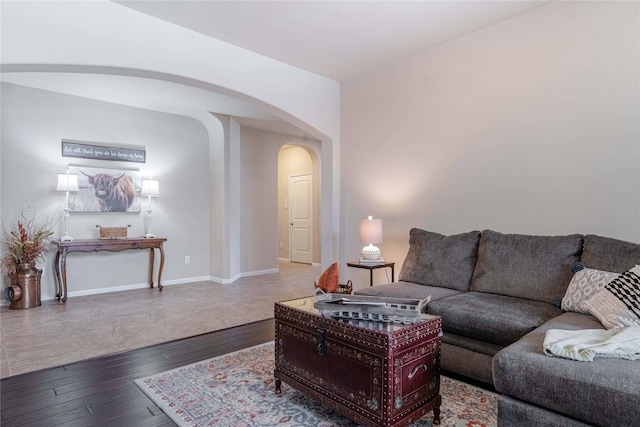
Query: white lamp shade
[(67, 182), (370, 230), (150, 187)]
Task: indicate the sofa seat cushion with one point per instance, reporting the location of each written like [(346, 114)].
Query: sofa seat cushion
[(602, 392), (474, 345), (443, 261), (407, 290), (531, 267), (492, 318), (513, 412), (605, 253)]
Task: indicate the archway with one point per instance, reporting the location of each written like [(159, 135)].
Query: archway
[(225, 266), (298, 163)]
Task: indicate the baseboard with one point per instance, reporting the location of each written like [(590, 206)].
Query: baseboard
[(136, 286), (259, 272), (87, 292), (224, 281)]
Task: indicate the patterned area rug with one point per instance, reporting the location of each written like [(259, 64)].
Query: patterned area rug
[(237, 390)]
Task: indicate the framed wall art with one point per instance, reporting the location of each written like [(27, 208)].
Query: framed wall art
[(87, 150), (105, 190)]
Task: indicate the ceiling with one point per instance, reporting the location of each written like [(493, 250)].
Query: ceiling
[(335, 39)]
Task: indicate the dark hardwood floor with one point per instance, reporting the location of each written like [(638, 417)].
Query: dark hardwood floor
[(101, 392)]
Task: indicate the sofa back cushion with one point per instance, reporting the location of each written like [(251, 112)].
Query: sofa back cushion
[(443, 261), (605, 253), (532, 267)]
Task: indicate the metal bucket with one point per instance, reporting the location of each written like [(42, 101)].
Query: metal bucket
[(24, 291)]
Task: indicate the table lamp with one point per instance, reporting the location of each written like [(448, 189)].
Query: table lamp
[(67, 182), (370, 233), (150, 187)]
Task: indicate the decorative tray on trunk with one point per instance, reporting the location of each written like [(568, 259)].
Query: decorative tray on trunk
[(401, 310)]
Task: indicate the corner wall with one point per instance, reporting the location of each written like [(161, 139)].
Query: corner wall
[(530, 126)]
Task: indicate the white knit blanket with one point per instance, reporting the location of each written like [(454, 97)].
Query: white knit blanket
[(584, 345)]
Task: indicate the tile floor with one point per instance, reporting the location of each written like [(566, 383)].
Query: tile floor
[(85, 327)]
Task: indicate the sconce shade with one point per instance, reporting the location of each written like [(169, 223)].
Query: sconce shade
[(370, 230), (67, 182), (150, 187)]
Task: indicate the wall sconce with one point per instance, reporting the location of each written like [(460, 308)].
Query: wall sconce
[(370, 233), (67, 182), (150, 187)]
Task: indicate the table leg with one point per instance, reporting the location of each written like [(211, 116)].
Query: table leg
[(371, 277), (57, 278), (64, 276), (393, 279), (151, 262), (161, 267)]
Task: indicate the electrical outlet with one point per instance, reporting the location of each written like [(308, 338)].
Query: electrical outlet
[(281, 245), (187, 259)]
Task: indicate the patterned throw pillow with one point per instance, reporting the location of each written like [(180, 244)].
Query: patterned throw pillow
[(585, 283), (618, 304), (328, 280)]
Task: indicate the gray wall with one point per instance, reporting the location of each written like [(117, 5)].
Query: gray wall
[(258, 201), (33, 124), (528, 126)]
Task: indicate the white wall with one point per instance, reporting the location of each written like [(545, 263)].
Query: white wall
[(528, 126), (33, 124)]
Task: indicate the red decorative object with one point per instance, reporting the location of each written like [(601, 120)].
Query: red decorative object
[(328, 280)]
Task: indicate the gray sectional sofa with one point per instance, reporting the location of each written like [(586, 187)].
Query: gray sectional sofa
[(497, 295)]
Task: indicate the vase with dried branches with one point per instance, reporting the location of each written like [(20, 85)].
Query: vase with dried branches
[(24, 243)]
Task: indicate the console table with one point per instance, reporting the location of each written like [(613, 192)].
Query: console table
[(98, 245)]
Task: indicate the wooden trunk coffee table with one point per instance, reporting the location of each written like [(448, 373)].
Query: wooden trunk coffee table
[(377, 374)]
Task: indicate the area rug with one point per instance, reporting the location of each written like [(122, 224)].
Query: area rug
[(237, 390)]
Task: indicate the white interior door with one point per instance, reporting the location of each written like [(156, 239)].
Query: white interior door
[(300, 218)]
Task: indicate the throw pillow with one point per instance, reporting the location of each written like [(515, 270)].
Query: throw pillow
[(438, 260), (618, 304), (584, 284), (525, 266), (605, 253), (328, 280)]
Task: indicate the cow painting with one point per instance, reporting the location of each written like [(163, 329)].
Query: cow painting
[(115, 193)]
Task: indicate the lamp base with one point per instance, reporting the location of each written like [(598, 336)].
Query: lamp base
[(370, 252), (66, 238), (149, 235)]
